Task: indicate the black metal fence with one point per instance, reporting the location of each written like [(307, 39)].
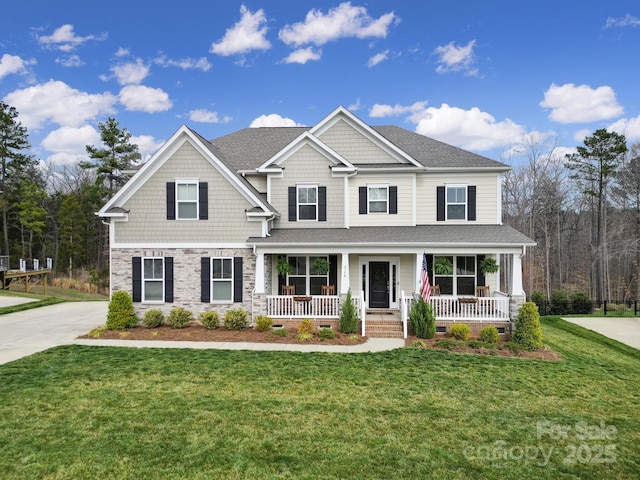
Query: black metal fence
[(621, 308)]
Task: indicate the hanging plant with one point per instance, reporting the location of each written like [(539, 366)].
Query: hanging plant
[(283, 266), (489, 265), (443, 266), (320, 266)]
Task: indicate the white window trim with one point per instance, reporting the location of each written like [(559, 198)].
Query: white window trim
[(298, 204), (454, 275), (197, 200), (386, 188), (308, 275), (145, 280), (446, 202), (214, 281)]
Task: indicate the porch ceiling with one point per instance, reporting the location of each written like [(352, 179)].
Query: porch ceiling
[(420, 236)]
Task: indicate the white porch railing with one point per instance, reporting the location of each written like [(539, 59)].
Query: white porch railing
[(476, 309), (361, 307), (303, 306)]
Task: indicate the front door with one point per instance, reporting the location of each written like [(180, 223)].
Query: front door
[(378, 284)]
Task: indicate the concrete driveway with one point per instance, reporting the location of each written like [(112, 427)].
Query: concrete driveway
[(623, 329), (35, 330)]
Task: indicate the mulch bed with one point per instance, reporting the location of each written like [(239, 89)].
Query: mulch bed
[(198, 333)]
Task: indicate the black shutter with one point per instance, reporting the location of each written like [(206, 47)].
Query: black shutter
[(333, 271), (430, 268), (440, 201), (203, 201), (471, 202), (237, 279), (281, 278), (293, 204), (136, 263), (480, 280), (362, 200), (205, 279), (393, 200), (322, 204), (171, 200), (168, 279)]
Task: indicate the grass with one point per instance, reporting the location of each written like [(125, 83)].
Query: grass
[(54, 295), (106, 412)]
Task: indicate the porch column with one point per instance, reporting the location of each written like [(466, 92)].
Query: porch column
[(418, 270), (516, 275), (259, 280), (344, 280)]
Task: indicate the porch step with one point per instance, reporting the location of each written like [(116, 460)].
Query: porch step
[(384, 328)]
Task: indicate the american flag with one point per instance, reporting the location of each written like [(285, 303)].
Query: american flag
[(425, 290)]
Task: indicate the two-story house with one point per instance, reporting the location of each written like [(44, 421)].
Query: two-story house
[(205, 225)]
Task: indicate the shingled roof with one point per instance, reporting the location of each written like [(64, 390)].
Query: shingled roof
[(249, 148)]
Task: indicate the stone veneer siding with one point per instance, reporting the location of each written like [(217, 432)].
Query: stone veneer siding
[(186, 278)]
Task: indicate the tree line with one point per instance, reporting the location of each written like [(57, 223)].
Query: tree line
[(582, 209)]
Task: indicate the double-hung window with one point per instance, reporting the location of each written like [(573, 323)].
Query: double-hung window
[(456, 202), (305, 277), (222, 279), (462, 278), (378, 196), (153, 279), (187, 200), (307, 202)]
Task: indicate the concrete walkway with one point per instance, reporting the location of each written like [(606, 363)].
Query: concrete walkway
[(623, 329), (25, 333)]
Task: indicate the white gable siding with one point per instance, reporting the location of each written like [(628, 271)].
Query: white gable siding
[(486, 195), (354, 146), (147, 207), (258, 182), (404, 217), (308, 166)]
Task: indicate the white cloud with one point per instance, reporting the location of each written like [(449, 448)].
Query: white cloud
[(139, 98), (581, 104), (354, 107), (130, 73), (70, 61), (147, 145), (469, 129), (13, 64), (303, 55), (246, 35), (629, 127), (64, 39), (378, 58), (273, 120), (68, 144), (205, 116), (380, 110), (456, 59), (122, 52), (343, 21), (57, 102), (627, 21), (185, 63)]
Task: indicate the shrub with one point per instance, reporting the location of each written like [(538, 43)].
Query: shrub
[(417, 344), (422, 318), (263, 323), (528, 333), (539, 298), (280, 332), (209, 320), (348, 316), (559, 304), (306, 327), (179, 317), (235, 319), (512, 347), (305, 336), (581, 303), (121, 313), (97, 332), (489, 335), (446, 343), (326, 334), (152, 318), (460, 331)]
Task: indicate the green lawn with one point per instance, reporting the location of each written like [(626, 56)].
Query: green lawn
[(97, 412)]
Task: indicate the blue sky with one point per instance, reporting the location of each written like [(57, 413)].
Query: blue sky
[(481, 75)]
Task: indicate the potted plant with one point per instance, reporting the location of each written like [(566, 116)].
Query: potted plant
[(489, 265), (320, 266), (443, 266), (283, 266)]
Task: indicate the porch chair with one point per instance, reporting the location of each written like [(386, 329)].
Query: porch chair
[(288, 289), (328, 290), (482, 291), (435, 290)]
